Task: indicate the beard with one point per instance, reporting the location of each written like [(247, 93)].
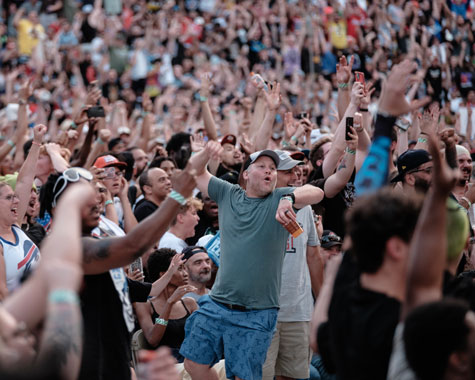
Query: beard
[(421, 185), (202, 278)]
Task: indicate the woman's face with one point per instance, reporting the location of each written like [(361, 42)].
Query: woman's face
[(44, 165), (6, 167), (180, 277), (8, 205), (168, 167)]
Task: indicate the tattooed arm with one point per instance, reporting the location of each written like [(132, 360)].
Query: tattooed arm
[(101, 255)]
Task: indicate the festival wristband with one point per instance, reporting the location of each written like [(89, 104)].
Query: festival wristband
[(63, 296), (350, 151), (11, 143), (203, 98), (343, 86), (176, 196), (99, 141), (108, 202), (290, 197), (161, 321), (422, 140)]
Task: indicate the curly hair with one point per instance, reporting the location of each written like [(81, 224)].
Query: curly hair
[(374, 219), (158, 262)]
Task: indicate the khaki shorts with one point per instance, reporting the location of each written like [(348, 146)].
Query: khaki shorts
[(289, 353)]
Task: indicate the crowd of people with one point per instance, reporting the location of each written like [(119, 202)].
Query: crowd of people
[(274, 189)]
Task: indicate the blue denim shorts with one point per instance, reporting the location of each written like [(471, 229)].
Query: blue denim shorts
[(243, 337)]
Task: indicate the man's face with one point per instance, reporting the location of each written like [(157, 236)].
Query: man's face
[(421, 178), (160, 184), (112, 179), (465, 166), (230, 156), (261, 177), (33, 205), (210, 207), (190, 219), (286, 178), (327, 253), (140, 161), (91, 213), (198, 267)]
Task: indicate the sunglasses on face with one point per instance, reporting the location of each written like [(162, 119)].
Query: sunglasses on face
[(330, 239), (111, 173), (70, 175)]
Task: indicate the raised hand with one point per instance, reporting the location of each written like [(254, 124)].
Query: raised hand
[(343, 69), (392, 100), (443, 177), (246, 144), (352, 143), (289, 126), (205, 89), (197, 142), (180, 292), (430, 119), (26, 90), (357, 93), (273, 97), (175, 263), (39, 132), (105, 135)]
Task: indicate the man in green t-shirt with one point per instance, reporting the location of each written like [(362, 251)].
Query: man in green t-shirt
[(239, 315)]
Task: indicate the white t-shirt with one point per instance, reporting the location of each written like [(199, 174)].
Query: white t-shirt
[(172, 241), (296, 301)]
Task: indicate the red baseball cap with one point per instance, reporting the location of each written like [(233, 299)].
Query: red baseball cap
[(229, 139), (109, 160)]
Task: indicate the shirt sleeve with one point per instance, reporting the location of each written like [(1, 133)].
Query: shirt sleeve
[(138, 291), (217, 189)]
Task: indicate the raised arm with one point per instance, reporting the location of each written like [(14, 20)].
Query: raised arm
[(27, 172), (273, 100), (343, 78), (427, 253), (105, 254), (207, 115), (199, 161)]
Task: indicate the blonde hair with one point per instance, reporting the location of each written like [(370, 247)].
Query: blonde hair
[(192, 202)]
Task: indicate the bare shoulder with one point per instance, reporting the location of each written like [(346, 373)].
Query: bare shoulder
[(190, 303)]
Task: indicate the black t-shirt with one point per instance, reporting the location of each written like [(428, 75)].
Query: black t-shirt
[(334, 208), (360, 328), (106, 351), (144, 209)]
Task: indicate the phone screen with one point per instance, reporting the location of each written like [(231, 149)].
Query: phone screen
[(349, 123)]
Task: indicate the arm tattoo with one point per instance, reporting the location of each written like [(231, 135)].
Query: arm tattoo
[(343, 164), (95, 249), (62, 340)]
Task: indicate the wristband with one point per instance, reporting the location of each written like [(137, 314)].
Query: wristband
[(422, 140), (289, 196), (285, 144), (73, 125), (203, 98), (99, 141), (11, 143), (468, 202), (176, 196), (161, 321), (35, 143), (294, 139), (342, 86), (108, 202), (363, 110), (63, 296), (350, 151)]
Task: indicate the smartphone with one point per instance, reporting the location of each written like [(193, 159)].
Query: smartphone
[(359, 77), (137, 264), (302, 115), (349, 124), (96, 111)]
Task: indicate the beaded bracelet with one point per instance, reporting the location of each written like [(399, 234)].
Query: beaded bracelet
[(63, 296), (176, 196), (350, 151), (161, 321)]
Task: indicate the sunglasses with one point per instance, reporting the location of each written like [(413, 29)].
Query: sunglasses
[(330, 239), (70, 175), (111, 173)]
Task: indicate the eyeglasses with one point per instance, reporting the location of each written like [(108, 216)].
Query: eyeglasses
[(330, 239), (10, 197), (70, 175), (111, 173), (426, 170)]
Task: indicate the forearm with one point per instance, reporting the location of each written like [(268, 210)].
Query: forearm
[(59, 163), (159, 286), (97, 148), (129, 218), (145, 137), (402, 143), (85, 149), (156, 331), (374, 172), (61, 345), (22, 121), (337, 181), (111, 212), (257, 116), (265, 131), (208, 121), (315, 268), (338, 145), (25, 180), (451, 156), (307, 195), (343, 101)]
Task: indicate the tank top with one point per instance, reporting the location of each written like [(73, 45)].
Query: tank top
[(175, 331), (20, 258)]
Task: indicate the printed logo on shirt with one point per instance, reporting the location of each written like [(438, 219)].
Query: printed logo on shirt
[(290, 248), (122, 287), (30, 255)]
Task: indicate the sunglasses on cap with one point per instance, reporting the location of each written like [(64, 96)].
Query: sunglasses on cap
[(330, 239), (70, 175)]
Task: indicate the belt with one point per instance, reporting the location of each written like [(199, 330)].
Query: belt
[(234, 307)]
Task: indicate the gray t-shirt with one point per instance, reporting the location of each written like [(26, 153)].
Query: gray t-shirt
[(252, 246), (296, 301)]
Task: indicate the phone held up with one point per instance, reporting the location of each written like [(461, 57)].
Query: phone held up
[(96, 111), (349, 124)]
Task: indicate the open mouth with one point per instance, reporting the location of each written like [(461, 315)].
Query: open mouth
[(14, 210)]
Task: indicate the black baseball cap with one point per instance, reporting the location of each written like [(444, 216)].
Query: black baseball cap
[(411, 159), (330, 239), (192, 250)]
